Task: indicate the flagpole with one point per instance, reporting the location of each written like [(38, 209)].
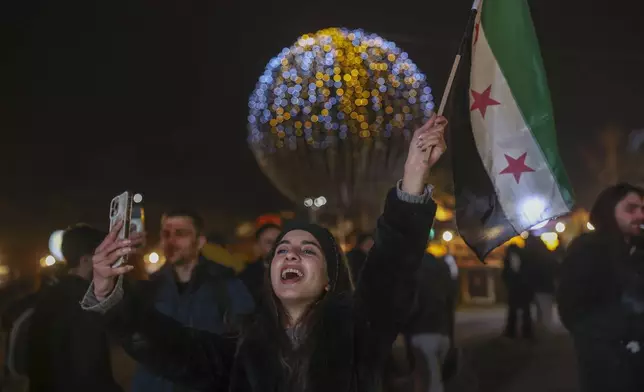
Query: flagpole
[(457, 60)]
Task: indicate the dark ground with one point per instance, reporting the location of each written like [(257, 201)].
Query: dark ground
[(502, 365)]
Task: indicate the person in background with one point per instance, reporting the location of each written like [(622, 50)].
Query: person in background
[(450, 260), (68, 349), (544, 273), (431, 325), (253, 275), (516, 275), (601, 293), (16, 319), (357, 256), (190, 289), (24, 293)]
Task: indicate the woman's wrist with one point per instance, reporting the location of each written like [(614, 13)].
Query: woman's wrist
[(413, 183), (423, 197)]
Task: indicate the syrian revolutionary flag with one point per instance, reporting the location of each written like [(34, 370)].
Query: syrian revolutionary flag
[(508, 176)]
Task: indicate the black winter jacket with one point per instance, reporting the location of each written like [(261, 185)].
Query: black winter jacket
[(599, 284)]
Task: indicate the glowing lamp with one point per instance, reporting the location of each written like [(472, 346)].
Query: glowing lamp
[(443, 214), (551, 240), (437, 250), (154, 257), (50, 260), (320, 201)]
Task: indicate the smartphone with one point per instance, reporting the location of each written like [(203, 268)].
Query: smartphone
[(121, 210)]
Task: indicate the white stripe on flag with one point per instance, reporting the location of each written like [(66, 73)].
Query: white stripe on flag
[(503, 131)]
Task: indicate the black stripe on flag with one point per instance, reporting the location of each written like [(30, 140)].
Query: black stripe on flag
[(480, 219)]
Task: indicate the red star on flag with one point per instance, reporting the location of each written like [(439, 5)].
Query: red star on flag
[(477, 27), (482, 101), (517, 166)]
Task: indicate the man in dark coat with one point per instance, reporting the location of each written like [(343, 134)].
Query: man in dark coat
[(192, 290), (601, 293), (517, 276), (68, 348)]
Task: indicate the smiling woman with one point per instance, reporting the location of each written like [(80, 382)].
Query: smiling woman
[(306, 264), (313, 332)]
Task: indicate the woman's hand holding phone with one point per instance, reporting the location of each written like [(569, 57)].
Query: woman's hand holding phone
[(107, 253)]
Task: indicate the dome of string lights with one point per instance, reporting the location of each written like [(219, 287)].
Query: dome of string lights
[(331, 104)]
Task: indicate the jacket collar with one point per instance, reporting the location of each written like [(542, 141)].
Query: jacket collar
[(205, 269)]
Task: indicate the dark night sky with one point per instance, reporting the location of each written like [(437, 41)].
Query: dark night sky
[(99, 96)]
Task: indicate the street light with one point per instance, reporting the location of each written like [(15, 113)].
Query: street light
[(560, 227), (551, 240), (447, 236), (320, 201), (590, 226), (549, 236), (154, 257), (50, 260), (313, 205)]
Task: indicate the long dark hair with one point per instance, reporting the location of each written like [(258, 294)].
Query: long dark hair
[(294, 352), (602, 215)]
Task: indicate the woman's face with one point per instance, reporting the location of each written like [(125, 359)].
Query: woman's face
[(298, 269)]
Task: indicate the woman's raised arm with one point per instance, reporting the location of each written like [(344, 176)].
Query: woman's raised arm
[(386, 286)]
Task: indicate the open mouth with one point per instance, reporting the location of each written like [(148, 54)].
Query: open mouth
[(291, 275)]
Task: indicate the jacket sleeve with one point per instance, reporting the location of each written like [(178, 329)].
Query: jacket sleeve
[(196, 359), (386, 289)]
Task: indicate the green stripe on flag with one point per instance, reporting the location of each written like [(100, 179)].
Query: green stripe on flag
[(509, 31)]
